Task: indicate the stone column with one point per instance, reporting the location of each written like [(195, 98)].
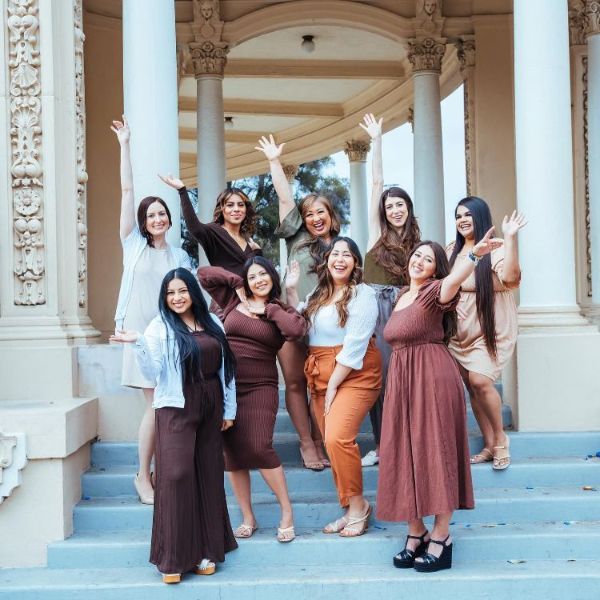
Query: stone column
[(150, 99), (43, 287), (554, 338), (593, 149), (426, 56), (356, 151), (290, 172)]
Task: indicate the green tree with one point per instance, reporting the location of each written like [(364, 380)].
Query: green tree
[(312, 177)]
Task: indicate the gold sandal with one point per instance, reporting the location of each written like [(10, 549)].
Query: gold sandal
[(502, 462), (337, 525), (244, 531), (483, 456), (357, 526), (206, 567)]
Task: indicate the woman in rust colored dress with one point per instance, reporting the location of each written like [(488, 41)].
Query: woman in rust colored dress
[(424, 457), (256, 330)]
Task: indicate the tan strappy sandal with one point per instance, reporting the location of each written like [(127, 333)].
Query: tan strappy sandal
[(337, 525), (244, 531), (357, 525), (502, 462), (483, 456)]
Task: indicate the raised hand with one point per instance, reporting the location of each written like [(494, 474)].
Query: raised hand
[(372, 126), (253, 245), (172, 181), (293, 275), (121, 130), (486, 244), (269, 148), (124, 337), (510, 226)]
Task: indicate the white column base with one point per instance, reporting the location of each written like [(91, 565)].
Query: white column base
[(556, 319), (592, 313)]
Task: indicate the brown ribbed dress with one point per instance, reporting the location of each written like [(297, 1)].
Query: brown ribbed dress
[(424, 455), (255, 343)]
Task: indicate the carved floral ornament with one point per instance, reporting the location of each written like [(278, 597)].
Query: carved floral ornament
[(13, 458), (208, 52), (357, 150), (26, 142), (592, 17), (426, 54), (465, 51)]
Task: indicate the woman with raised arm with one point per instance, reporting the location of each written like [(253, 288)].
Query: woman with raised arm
[(256, 331), (343, 369), (307, 229), (147, 256), (184, 349), (424, 461), (393, 233), (487, 325), (227, 240)]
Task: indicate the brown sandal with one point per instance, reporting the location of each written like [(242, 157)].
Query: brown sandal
[(483, 456)]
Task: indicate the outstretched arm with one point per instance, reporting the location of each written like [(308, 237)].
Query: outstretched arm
[(462, 269), (127, 221), (273, 154), (373, 128)]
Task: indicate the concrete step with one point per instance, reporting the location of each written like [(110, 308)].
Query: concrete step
[(493, 505), (118, 480), (489, 542), (536, 579), (523, 444)]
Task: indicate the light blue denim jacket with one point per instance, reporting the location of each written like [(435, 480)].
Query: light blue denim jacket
[(133, 246), (159, 361)]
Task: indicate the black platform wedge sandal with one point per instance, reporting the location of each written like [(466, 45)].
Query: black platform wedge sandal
[(405, 559), (431, 563)]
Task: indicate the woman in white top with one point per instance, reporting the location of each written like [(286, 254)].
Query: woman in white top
[(184, 349), (343, 370), (147, 257)]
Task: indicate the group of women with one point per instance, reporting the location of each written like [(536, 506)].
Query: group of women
[(395, 336)]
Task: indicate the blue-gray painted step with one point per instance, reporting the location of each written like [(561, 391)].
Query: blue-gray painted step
[(523, 444), (525, 541), (118, 480), (548, 580), (510, 505)]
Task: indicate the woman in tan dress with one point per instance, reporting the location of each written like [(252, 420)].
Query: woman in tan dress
[(487, 323)]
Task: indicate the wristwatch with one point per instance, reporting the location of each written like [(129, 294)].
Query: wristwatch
[(474, 257)]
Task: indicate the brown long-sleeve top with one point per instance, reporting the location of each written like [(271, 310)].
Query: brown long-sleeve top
[(220, 248), (255, 342)]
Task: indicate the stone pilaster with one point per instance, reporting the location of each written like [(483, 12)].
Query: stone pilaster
[(577, 22), (356, 151)]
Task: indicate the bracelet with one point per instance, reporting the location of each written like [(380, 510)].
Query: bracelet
[(474, 257)]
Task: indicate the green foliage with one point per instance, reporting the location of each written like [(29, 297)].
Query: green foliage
[(312, 177)]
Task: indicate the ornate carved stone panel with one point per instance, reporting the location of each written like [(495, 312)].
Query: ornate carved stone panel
[(577, 22), (25, 92), (426, 54), (592, 17), (13, 458), (428, 18), (588, 238), (82, 177), (357, 150), (208, 52), (465, 50)]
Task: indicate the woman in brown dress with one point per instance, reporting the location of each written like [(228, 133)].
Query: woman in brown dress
[(184, 349), (256, 331), (393, 233), (487, 324), (424, 457)]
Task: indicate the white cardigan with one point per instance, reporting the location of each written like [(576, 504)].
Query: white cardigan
[(161, 364)]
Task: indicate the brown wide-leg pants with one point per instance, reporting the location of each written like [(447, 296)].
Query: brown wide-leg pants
[(340, 427), (191, 521)]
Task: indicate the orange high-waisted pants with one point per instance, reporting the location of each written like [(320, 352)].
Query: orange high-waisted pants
[(353, 400)]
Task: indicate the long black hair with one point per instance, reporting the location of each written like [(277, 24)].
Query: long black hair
[(442, 269), (268, 266), (189, 352), (484, 282)]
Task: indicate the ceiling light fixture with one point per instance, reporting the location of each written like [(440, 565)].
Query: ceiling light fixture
[(308, 43), (228, 122)]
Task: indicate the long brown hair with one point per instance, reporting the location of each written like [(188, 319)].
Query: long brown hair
[(316, 246), (484, 282), (393, 247), (248, 225), (325, 289), (442, 269), (142, 213)]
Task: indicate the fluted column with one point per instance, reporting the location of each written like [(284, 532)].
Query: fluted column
[(356, 151), (290, 172), (426, 56), (150, 98), (593, 140)]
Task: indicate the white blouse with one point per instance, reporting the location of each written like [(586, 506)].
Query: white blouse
[(354, 337)]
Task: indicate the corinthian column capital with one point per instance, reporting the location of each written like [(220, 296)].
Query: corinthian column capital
[(426, 54), (465, 50), (592, 17), (290, 172), (208, 51), (357, 150)]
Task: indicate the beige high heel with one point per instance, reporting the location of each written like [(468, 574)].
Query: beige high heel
[(144, 499)]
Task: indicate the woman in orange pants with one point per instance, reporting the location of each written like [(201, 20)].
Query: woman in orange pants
[(343, 370)]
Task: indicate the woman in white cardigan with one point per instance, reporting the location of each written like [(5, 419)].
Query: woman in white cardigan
[(343, 370), (146, 258), (185, 352)]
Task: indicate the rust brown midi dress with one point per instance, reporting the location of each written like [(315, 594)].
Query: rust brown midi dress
[(424, 455), (255, 343), (191, 521)]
